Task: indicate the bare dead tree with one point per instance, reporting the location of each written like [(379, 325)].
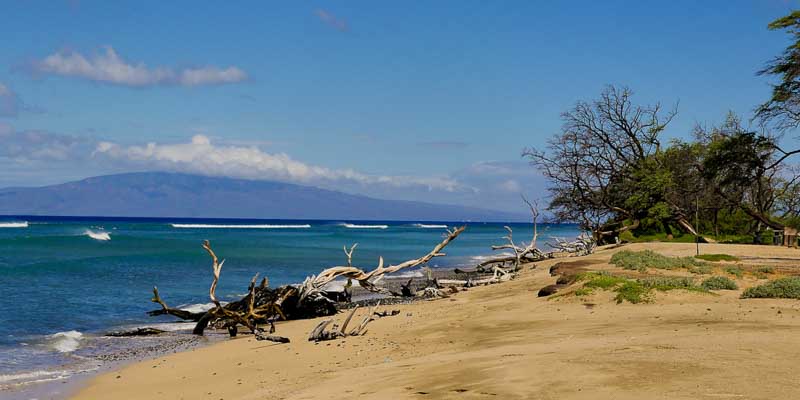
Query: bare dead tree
[(592, 163)]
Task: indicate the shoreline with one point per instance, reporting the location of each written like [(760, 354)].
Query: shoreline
[(502, 341), (64, 380)]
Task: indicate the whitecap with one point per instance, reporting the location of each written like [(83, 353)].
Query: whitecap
[(65, 342), (22, 224), (212, 226), (482, 258), (424, 226), (98, 235), (198, 307), (409, 274), (354, 226)]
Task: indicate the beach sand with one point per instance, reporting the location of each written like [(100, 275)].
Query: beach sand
[(504, 342)]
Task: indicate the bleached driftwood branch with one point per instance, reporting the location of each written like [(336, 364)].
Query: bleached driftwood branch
[(314, 284), (584, 244), (319, 333)]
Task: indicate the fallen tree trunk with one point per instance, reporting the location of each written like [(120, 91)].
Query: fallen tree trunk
[(263, 305)]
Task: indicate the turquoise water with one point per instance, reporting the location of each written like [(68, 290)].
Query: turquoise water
[(64, 280)]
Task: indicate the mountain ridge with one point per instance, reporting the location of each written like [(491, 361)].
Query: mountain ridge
[(177, 195)]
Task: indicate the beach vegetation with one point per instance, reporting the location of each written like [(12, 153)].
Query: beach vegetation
[(716, 257), (784, 288), (766, 269), (665, 283), (641, 260), (719, 283), (632, 292), (701, 269), (736, 271)]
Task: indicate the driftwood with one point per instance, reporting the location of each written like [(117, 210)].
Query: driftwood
[(147, 331), (522, 252), (313, 286), (319, 333), (263, 305), (583, 245)]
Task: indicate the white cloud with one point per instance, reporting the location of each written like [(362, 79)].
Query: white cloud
[(201, 156), (109, 67), (511, 186)]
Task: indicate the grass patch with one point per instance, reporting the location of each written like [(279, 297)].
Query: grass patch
[(784, 288), (604, 282), (717, 257), (735, 271), (641, 260), (632, 292), (665, 283), (719, 283)]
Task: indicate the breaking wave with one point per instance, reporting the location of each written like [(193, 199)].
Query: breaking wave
[(211, 226), (424, 226), (22, 224), (354, 226), (65, 342), (199, 307), (104, 236)]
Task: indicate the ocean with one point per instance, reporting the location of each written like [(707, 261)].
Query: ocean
[(66, 281)]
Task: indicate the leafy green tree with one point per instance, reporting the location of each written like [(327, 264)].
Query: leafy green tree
[(782, 110)]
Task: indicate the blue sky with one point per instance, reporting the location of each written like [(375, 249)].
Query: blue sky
[(414, 100)]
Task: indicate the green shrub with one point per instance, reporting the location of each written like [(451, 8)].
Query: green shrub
[(583, 292), (633, 292), (784, 288), (717, 257), (766, 270), (641, 260), (736, 271), (665, 283), (719, 283)]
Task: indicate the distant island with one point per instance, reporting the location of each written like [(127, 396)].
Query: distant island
[(159, 194)]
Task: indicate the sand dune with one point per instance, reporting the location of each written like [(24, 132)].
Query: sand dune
[(504, 342)]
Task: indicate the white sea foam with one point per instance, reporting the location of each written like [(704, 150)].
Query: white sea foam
[(98, 235), (198, 307), (424, 226), (166, 326), (65, 342), (22, 224), (354, 226), (409, 274), (32, 376), (480, 259), (211, 226)]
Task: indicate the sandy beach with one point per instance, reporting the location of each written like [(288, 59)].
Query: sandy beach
[(502, 341)]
